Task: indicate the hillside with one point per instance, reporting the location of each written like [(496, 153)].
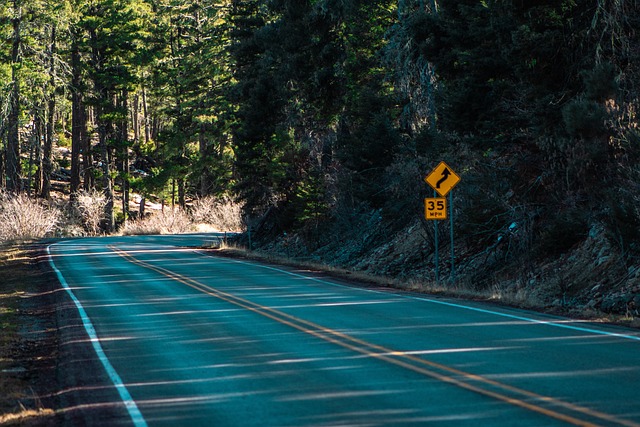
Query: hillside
[(589, 280)]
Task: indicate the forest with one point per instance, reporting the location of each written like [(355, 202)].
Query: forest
[(322, 117)]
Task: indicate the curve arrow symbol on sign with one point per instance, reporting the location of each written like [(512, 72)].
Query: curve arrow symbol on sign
[(445, 174)]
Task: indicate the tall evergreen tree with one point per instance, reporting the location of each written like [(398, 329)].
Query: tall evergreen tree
[(189, 72), (116, 37), (257, 144), (368, 137)]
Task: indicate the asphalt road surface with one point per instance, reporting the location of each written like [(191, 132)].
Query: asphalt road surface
[(186, 338)]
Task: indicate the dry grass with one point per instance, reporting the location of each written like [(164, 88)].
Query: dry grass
[(222, 214), (209, 214), (26, 417), (90, 207), (23, 218), (169, 221)]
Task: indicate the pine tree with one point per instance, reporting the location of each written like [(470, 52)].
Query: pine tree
[(258, 144), (188, 77), (116, 33)]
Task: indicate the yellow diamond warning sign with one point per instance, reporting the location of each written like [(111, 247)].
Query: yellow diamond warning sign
[(442, 179), (435, 208)]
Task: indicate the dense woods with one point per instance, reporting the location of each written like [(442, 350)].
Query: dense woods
[(327, 114)]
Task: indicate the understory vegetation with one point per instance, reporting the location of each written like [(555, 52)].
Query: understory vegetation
[(27, 219)]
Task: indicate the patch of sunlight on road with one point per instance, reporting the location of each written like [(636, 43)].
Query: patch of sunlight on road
[(115, 339), (191, 381), (586, 339), (184, 312), (200, 399), (316, 296), (120, 304), (391, 417), (333, 304), (303, 360), (564, 374), (338, 395), (448, 350)]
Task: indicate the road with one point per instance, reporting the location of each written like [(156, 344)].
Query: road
[(188, 338)]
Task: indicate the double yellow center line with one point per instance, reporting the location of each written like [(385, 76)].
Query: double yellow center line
[(548, 406)]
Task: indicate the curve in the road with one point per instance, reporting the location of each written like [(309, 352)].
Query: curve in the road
[(544, 405)]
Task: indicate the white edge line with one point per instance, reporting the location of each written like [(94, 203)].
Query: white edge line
[(450, 304), (129, 403)]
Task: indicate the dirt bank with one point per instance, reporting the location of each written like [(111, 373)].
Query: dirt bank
[(49, 374)]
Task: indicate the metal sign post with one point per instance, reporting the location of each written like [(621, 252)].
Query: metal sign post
[(437, 256), (442, 179), (453, 266)]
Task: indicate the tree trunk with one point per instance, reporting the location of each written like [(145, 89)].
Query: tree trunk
[(204, 151), (143, 201), (37, 125), (104, 131), (135, 116), (33, 140), (181, 193), (147, 131), (13, 168), (107, 185), (77, 118), (47, 152), (87, 152), (173, 194), (104, 101), (3, 176), (124, 153)]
